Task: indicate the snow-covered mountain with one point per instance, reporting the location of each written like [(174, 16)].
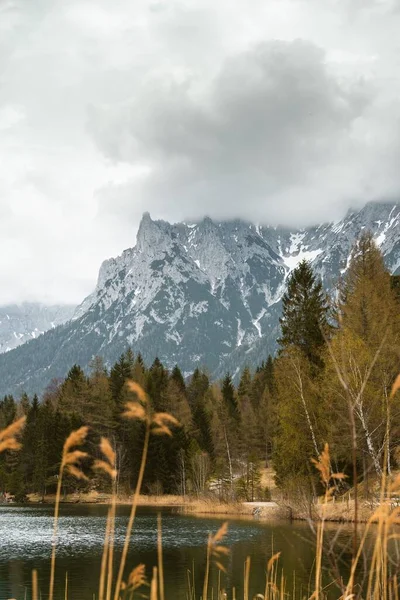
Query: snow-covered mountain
[(22, 322), (202, 294)]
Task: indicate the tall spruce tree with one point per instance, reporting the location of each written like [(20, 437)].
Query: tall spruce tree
[(177, 376), (229, 397), (304, 321)]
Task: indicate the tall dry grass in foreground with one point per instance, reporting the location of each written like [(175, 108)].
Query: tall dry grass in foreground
[(69, 462), (381, 575), (9, 436)]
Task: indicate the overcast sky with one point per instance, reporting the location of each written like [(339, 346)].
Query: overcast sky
[(279, 111)]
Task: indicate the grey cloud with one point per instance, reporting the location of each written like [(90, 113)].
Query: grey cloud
[(280, 131), (273, 118)]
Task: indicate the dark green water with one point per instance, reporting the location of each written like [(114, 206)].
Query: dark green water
[(25, 544)]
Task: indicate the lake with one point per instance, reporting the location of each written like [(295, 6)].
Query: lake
[(25, 544)]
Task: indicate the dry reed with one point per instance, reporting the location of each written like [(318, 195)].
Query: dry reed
[(246, 578), (108, 467), (70, 462), (136, 580), (8, 436), (215, 550), (160, 557), (154, 587), (35, 595), (157, 424)]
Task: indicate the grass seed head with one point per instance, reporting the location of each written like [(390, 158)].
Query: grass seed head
[(395, 386), (221, 533), (8, 435), (71, 458), (107, 450), (163, 418), (134, 410), (137, 389), (76, 438), (75, 472), (272, 561), (161, 423), (323, 465), (395, 485), (102, 465), (74, 457), (13, 430), (9, 444), (216, 549), (137, 578)]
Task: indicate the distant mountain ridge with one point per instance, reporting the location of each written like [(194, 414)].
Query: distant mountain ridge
[(202, 294), (20, 323)]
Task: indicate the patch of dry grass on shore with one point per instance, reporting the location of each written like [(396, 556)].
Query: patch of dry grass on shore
[(215, 507), (104, 498), (340, 511), (186, 505)]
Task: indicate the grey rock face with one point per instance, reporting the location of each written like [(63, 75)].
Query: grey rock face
[(20, 323), (203, 294)]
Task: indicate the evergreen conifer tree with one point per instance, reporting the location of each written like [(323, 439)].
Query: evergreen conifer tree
[(229, 397), (177, 376), (304, 321)]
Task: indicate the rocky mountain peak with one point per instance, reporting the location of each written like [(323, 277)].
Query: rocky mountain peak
[(197, 294), (151, 234)]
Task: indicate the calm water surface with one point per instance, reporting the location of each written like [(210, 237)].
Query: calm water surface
[(25, 544)]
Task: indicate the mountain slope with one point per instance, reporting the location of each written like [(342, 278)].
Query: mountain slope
[(22, 322), (203, 294)]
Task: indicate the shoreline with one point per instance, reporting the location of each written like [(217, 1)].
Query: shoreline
[(335, 512), (187, 506)]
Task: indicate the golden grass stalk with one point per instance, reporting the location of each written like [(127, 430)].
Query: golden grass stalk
[(138, 390), (246, 578), (107, 466), (271, 589), (108, 451), (323, 465), (8, 436), (133, 507), (104, 558), (190, 589), (207, 572), (161, 423), (70, 462), (35, 595), (215, 550), (153, 588), (136, 579), (111, 543), (395, 386), (160, 557), (158, 423)]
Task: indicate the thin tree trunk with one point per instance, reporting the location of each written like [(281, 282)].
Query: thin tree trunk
[(368, 438), (389, 469), (310, 425), (229, 462)]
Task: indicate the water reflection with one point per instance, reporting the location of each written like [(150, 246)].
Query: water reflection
[(25, 534)]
